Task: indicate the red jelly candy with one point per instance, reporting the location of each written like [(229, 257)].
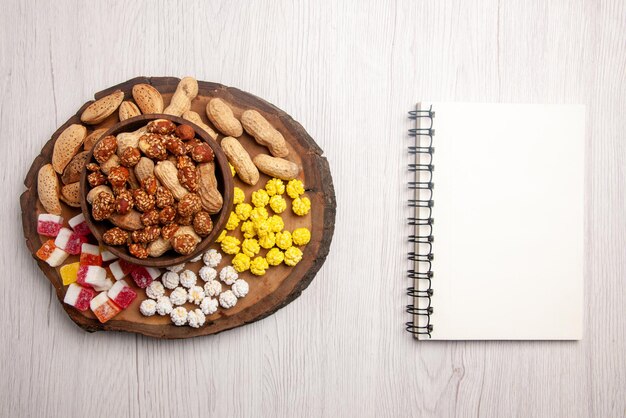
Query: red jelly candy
[(90, 255), (84, 297), (141, 277), (49, 225), (75, 243)]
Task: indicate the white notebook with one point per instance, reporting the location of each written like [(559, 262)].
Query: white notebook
[(497, 228)]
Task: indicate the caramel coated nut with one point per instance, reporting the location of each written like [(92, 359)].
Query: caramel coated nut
[(115, 236)]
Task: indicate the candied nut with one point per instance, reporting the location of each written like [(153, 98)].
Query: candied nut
[(146, 235), (184, 161), (185, 132), (103, 206), (168, 231), (118, 176), (175, 145), (138, 250), (184, 220), (167, 215), (152, 145), (161, 126), (105, 148), (189, 205), (119, 190), (164, 197), (92, 167), (149, 184), (202, 223), (143, 201), (202, 153), (188, 178), (150, 217), (130, 157), (96, 179), (124, 202), (184, 244), (115, 236)]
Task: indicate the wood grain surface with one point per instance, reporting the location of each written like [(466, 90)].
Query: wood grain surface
[(348, 71)]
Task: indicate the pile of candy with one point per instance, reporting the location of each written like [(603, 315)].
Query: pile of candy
[(260, 230)]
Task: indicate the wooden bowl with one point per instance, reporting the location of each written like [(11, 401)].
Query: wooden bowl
[(224, 184)]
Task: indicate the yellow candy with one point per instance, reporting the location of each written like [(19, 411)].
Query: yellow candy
[(260, 198), (238, 196), (250, 247), (274, 257), (301, 206), (274, 187), (295, 188), (221, 237), (233, 221), (243, 211), (262, 228), (278, 204), (283, 240), (258, 266), (230, 245), (232, 169), (301, 236), (276, 223), (248, 229), (68, 273), (241, 262), (293, 255), (268, 241), (258, 214)]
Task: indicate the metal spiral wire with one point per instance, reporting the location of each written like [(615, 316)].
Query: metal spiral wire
[(421, 223)]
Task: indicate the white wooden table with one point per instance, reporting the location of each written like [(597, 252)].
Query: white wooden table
[(348, 72)]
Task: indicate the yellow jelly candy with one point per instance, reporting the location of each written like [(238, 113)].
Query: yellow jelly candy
[(238, 196), (258, 266), (250, 247), (301, 236), (230, 245), (295, 188), (293, 255), (301, 206), (274, 186), (241, 262), (243, 210), (268, 241), (278, 204), (260, 198), (283, 240), (233, 221), (274, 257), (276, 223), (68, 273)]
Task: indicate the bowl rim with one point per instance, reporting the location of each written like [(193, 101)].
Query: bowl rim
[(220, 161)]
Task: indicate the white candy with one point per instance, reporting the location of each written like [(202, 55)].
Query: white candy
[(105, 285), (228, 275), (116, 270), (196, 295), (148, 307), (177, 268), (209, 306), (98, 301), (57, 257), (164, 306), (95, 276), (240, 288), (188, 279), (178, 296), (228, 299), (212, 288), (108, 255), (117, 288), (179, 316), (207, 273), (76, 220), (90, 249), (170, 280), (155, 290), (63, 238), (212, 258), (71, 296), (196, 318)]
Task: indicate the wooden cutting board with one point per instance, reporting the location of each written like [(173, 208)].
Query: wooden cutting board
[(278, 287)]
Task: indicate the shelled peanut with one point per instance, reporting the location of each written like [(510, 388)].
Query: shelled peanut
[(168, 209)]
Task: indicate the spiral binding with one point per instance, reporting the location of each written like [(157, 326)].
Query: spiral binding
[(421, 222)]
